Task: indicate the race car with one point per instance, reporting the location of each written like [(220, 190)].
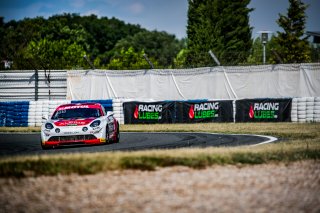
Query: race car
[(81, 123)]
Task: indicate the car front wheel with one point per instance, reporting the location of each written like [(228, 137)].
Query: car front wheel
[(45, 147)]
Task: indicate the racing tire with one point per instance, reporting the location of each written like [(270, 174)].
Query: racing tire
[(45, 147), (107, 135), (118, 134)]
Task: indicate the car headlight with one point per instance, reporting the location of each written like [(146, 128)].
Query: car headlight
[(95, 123), (48, 126)]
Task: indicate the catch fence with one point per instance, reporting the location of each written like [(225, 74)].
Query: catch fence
[(33, 85)]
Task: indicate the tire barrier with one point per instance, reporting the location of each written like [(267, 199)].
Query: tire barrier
[(14, 113), (30, 113), (40, 109), (117, 106), (294, 110), (316, 109)]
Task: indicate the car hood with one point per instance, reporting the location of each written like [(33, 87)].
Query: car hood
[(73, 122)]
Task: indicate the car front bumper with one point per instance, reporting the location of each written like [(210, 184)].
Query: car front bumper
[(72, 136)]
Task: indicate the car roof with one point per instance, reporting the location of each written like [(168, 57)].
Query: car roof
[(81, 104), (77, 104)]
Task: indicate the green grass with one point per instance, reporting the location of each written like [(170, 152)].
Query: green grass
[(19, 129), (302, 142)]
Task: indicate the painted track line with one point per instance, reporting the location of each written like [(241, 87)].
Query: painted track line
[(271, 139)]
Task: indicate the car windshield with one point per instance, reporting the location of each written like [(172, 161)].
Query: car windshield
[(76, 113)]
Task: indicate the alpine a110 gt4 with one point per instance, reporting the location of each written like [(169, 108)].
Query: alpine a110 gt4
[(81, 123)]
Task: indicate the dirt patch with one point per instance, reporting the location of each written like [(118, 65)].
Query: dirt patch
[(281, 187)]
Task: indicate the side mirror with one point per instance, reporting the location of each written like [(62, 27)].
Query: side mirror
[(110, 114), (45, 118)]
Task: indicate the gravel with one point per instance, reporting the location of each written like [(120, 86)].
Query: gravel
[(293, 187)]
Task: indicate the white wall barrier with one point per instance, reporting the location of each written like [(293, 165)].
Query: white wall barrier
[(230, 82)]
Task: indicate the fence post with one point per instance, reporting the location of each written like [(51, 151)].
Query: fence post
[(36, 84)]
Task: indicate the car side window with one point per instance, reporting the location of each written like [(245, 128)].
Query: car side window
[(103, 111)]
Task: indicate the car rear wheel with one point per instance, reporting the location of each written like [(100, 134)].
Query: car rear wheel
[(117, 134), (107, 134)]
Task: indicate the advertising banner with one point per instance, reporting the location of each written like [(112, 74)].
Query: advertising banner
[(204, 111), (263, 110), (148, 112)]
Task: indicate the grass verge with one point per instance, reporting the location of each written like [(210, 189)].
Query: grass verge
[(303, 143)]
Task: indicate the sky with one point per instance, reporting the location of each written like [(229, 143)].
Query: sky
[(161, 15)]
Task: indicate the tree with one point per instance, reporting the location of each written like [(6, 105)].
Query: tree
[(104, 34), (161, 46), (2, 33), (96, 36), (16, 38), (61, 48), (315, 53), (256, 53), (129, 59), (293, 47), (255, 56), (220, 26), (63, 54), (59, 41), (181, 59)]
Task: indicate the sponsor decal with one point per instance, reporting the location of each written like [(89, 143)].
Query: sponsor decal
[(74, 107), (148, 112), (73, 122), (71, 133), (263, 110), (267, 110), (204, 110)]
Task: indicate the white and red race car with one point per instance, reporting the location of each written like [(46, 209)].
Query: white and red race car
[(81, 123)]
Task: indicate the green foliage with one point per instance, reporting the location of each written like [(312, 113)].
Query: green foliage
[(2, 33), (129, 59), (293, 47), (60, 41), (223, 27), (315, 52), (256, 53), (181, 59), (16, 37), (56, 54), (161, 46)]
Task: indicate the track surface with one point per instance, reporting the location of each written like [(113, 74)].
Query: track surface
[(13, 144)]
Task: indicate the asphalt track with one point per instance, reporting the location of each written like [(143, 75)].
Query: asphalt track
[(14, 144)]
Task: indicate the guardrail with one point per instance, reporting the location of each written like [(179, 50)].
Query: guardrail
[(30, 113)]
